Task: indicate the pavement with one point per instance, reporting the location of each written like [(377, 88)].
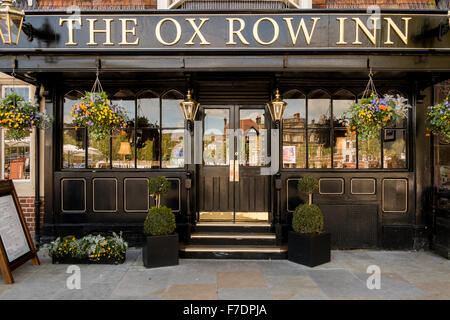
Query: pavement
[(403, 275)]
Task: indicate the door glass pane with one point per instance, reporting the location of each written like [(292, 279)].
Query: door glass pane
[(394, 151), (369, 153), (254, 138), (173, 148), (17, 158), (216, 139), (344, 150), (443, 161), (319, 149), (74, 148)]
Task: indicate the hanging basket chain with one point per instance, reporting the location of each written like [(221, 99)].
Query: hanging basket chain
[(97, 87), (370, 88)]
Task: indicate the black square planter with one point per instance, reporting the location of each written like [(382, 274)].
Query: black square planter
[(309, 249), (161, 251)]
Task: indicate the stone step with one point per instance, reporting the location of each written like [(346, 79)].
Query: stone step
[(233, 251), (238, 227), (232, 238)]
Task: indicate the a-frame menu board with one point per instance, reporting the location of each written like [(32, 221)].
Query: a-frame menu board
[(16, 245)]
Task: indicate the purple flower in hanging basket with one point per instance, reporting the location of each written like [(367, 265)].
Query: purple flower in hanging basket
[(90, 123)]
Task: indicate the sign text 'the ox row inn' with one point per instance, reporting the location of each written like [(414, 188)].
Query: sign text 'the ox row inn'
[(240, 32)]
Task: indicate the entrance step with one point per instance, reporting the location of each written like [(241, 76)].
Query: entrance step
[(239, 227), (233, 251), (233, 238)]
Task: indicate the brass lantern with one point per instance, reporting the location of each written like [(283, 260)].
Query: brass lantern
[(277, 107), (189, 107), (11, 20)]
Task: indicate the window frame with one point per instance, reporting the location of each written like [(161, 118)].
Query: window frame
[(2, 136), (332, 128)]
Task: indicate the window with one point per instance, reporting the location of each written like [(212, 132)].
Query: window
[(15, 154), (144, 144), (313, 136)]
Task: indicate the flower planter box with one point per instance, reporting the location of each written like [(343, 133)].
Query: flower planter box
[(309, 249), (161, 251), (71, 260)]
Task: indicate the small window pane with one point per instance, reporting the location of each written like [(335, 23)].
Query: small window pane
[(147, 145), (98, 153), (173, 148), (295, 114), (148, 112), (369, 153), (24, 92), (172, 117), (74, 149), (394, 149), (123, 149), (319, 149), (129, 106), (294, 149), (344, 155), (339, 107), (17, 158), (319, 112), (74, 97)]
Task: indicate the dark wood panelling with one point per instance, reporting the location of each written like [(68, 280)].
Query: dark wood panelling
[(363, 186), (105, 197), (136, 195), (395, 195), (331, 186), (73, 195)]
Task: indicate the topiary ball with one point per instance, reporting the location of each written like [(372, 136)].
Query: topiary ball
[(307, 219), (159, 221)]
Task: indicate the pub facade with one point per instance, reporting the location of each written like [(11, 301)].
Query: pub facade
[(235, 166)]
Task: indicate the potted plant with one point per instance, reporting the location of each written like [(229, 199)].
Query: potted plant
[(308, 244), (91, 249), (20, 116), (161, 245)]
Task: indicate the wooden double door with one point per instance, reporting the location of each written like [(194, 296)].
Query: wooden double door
[(232, 186)]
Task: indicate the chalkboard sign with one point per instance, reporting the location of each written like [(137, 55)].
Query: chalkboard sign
[(16, 245)]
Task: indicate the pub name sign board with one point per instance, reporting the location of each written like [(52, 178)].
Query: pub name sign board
[(234, 32)]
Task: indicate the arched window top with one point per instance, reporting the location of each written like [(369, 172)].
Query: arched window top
[(394, 92), (124, 94), (173, 95), (172, 116), (319, 94), (73, 95), (293, 94), (343, 94), (147, 94)]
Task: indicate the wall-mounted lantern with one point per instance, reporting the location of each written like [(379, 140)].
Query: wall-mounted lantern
[(277, 107), (189, 107), (11, 20)]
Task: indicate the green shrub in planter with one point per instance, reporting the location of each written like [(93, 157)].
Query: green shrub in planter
[(307, 219), (158, 187), (308, 185), (160, 221)]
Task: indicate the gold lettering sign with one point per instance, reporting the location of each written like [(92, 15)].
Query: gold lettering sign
[(276, 31), (106, 31), (302, 26), (158, 32), (233, 32), (126, 31), (70, 27)]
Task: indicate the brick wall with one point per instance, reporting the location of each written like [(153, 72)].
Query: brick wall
[(27, 204)]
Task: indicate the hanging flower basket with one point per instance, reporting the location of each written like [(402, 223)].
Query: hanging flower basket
[(97, 113), (20, 116), (438, 120), (374, 113)]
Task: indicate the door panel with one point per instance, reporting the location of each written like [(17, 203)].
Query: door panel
[(231, 187)]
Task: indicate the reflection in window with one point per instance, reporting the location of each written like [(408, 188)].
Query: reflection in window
[(17, 157), (123, 149), (147, 145), (319, 111), (369, 153), (294, 149), (173, 148), (99, 153), (319, 149), (295, 113), (443, 161), (172, 116), (216, 139), (74, 148), (344, 155), (394, 149), (70, 99), (339, 107), (253, 140), (148, 111)]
